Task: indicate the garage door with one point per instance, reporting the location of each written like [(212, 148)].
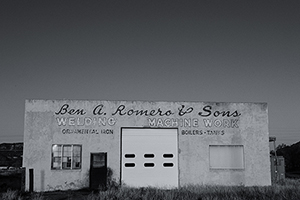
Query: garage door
[(150, 157)]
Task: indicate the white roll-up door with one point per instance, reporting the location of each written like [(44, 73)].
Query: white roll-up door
[(150, 157)]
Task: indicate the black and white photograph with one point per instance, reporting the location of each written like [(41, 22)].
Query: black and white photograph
[(149, 99)]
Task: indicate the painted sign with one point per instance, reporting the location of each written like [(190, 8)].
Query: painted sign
[(214, 120)]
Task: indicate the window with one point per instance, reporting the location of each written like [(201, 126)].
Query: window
[(99, 160), (66, 156), (226, 157)]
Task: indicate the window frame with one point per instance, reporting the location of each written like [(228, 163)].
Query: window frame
[(227, 168), (61, 155)]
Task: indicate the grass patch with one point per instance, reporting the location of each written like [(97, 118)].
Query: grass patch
[(203, 193), (10, 195), (287, 189)]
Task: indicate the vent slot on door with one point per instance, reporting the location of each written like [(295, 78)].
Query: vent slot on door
[(129, 164), (168, 155), (168, 164), (149, 155), (129, 155), (148, 164)]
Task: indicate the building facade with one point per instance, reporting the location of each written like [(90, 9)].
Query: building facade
[(73, 144)]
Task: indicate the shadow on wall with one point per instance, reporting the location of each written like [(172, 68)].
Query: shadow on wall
[(112, 183)]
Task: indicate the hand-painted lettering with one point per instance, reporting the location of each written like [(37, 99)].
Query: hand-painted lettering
[(207, 111), (225, 123), (65, 110), (183, 111), (121, 110), (203, 132), (85, 121), (173, 122), (98, 110)]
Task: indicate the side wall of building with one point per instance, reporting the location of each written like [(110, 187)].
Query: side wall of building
[(97, 125)]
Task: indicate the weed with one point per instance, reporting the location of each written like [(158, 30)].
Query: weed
[(283, 190), (287, 189), (37, 196), (10, 195)]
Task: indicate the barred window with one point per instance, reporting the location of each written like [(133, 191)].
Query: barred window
[(66, 156)]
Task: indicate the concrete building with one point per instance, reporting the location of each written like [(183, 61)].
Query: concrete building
[(73, 144)]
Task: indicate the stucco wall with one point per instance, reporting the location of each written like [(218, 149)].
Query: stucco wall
[(199, 124)]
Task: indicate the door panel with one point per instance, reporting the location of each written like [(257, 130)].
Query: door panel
[(150, 157), (98, 170)]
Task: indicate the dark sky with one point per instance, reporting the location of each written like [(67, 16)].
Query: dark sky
[(204, 50)]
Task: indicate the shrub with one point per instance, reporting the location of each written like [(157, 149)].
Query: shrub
[(10, 195)]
